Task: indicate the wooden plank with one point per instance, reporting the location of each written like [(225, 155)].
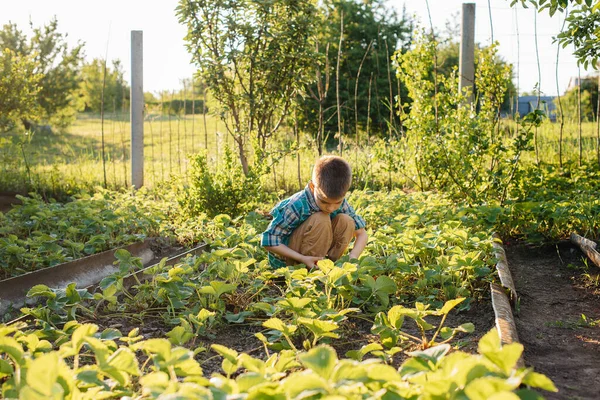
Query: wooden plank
[(503, 271), (588, 247), (505, 322)]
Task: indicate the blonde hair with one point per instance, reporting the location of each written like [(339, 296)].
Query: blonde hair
[(333, 175)]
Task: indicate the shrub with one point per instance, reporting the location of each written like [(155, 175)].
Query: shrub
[(225, 191)]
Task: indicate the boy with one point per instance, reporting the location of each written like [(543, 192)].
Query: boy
[(317, 221)]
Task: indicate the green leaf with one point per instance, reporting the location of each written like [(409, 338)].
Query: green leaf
[(247, 381), (539, 381), (81, 333), (225, 352), (43, 373), (11, 347), (161, 347), (5, 369), (528, 394), (396, 315), (358, 355), (252, 364), (385, 284), (179, 335), (484, 388), (449, 305), (433, 354), (239, 317), (319, 328), (321, 360), (123, 255), (41, 290), (506, 358), (489, 343), (304, 382), (230, 367), (383, 373), (124, 360), (279, 325), (414, 366)]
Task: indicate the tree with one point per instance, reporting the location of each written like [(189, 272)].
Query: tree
[(254, 56), (372, 33), (448, 57), (19, 86), (589, 100), (583, 25), (56, 63), (93, 80)]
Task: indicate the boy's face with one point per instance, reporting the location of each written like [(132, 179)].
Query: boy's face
[(325, 204)]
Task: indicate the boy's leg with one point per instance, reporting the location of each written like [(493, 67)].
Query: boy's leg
[(343, 231), (313, 237)]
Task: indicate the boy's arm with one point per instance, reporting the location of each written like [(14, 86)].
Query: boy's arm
[(286, 252), (359, 244)]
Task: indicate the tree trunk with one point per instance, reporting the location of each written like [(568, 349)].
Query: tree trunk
[(243, 158)]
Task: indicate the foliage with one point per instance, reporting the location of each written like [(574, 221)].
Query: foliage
[(95, 80), (233, 282), (589, 101), (186, 107), (372, 32), (455, 148), (57, 64), (19, 86), (37, 234), (583, 25), (32, 369), (254, 56), (448, 61), (224, 190)]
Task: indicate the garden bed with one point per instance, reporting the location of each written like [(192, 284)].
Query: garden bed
[(559, 317)]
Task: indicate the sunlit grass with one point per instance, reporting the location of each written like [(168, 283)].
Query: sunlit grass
[(66, 162)]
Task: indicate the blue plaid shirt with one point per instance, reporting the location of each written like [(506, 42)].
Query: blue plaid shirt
[(293, 211)]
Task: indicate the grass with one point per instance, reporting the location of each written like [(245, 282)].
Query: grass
[(548, 143), (65, 162)]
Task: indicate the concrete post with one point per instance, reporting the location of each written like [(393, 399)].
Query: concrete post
[(137, 109), (466, 67)]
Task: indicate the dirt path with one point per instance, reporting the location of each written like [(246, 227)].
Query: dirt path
[(556, 289)]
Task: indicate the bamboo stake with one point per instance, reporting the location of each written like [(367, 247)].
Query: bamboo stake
[(535, 135), (598, 121), (356, 131), (369, 110), (389, 75), (179, 138), (162, 142), (337, 83), (170, 137), (204, 119), (102, 121), (579, 141), (297, 134), (560, 108), (193, 111)]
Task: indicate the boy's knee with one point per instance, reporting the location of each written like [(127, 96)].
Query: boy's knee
[(343, 221), (320, 219)]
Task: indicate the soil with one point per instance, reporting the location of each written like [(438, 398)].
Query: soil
[(7, 201), (356, 332), (556, 288)]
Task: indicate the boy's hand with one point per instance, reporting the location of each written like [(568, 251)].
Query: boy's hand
[(311, 261)]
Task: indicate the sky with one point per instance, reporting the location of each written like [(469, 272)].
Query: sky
[(106, 27)]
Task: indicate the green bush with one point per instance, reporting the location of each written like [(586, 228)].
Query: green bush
[(225, 191)]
